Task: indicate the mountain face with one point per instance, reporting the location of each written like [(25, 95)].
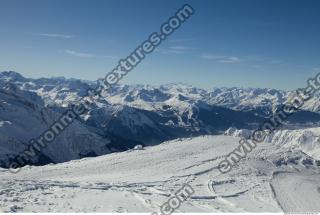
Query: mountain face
[(23, 117), (128, 115)]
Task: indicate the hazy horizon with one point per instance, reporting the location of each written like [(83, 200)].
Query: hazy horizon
[(155, 84)]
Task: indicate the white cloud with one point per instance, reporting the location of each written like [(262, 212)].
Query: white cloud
[(180, 40), (175, 50), (222, 59), (63, 36), (80, 54), (257, 66), (110, 57), (184, 48), (275, 61), (89, 55)]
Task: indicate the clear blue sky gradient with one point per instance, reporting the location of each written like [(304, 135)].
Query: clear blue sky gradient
[(245, 43)]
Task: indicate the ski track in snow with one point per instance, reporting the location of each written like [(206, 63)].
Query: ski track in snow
[(296, 192), (142, 180)]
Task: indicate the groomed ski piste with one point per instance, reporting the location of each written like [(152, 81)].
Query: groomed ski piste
[(272, 178)]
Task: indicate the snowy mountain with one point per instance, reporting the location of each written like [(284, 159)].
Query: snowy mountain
[(161, 116), (280, 174), (129, 115), (23, 117), (150, 97), (62, 91)]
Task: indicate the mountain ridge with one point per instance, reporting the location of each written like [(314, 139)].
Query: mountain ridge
[(129, 115)]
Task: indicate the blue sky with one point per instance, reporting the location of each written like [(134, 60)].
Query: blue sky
[(246, 43)]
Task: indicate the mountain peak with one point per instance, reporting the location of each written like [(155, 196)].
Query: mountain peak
[(11, 75)]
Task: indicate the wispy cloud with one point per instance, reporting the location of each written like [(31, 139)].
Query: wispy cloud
[(89, 55), (180, 40), (222, 58), (184, 48), (252, 60), (276, 61), (175, 50), (62, 36), (256, 66), (80, 54), (110, 57)]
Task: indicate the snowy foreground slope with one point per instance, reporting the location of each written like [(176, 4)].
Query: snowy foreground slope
[(271, 179)]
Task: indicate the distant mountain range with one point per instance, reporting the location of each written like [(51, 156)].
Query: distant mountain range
[(129, 115)]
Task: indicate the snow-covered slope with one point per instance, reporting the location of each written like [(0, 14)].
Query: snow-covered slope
[(270, 179), (307, 140)]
